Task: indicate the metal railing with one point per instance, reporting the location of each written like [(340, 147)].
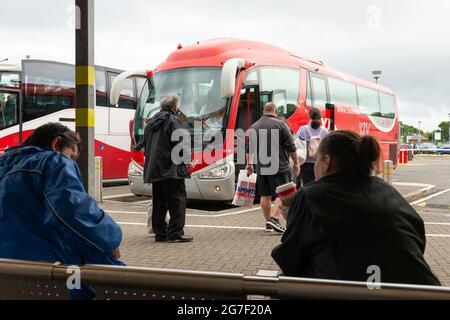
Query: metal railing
[(31, 280)]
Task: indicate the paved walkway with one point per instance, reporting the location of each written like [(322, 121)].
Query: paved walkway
[(234, 240)]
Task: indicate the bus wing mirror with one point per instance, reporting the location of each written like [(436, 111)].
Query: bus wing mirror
[(117, 84), (228, 77)]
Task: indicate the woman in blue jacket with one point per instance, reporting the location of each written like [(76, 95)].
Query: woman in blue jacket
[(45, 213)]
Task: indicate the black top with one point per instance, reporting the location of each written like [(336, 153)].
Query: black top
[(159, 164), (284, 144), (338, 227)]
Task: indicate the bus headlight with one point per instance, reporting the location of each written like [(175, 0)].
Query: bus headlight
[(217, 173), (134, 170)]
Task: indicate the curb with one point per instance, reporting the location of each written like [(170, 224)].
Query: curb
[(437, 206), (432, 155), (424, 191), (416, 195)]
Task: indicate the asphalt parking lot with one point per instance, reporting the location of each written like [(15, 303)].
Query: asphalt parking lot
[(230, 239)]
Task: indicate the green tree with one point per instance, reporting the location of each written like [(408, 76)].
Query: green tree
[(407, 130), (444, 128)]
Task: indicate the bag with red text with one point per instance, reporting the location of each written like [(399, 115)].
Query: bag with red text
[(246, 190)]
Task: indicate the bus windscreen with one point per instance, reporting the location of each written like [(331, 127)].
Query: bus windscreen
[(200, 100)]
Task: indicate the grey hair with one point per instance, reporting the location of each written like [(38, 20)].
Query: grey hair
[(170, 101)]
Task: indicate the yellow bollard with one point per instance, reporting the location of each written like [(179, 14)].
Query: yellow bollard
[(98, 183), (388, 171)]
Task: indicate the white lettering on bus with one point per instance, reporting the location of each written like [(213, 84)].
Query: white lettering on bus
[(364, 128)]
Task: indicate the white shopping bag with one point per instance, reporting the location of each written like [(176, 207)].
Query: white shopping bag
[(302, 152), (246, 190)]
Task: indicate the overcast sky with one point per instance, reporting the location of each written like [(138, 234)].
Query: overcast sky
[(406, 39)]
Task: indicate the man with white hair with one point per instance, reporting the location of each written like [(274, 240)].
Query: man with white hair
[(166, 177)]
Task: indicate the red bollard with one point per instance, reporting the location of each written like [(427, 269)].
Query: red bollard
[(403, 157)]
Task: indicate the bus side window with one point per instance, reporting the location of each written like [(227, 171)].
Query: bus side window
[(319, 90), (100, 88), (369, 101), (387, 108), (283, 86), (49, 87), (127, 98), (342, 92)]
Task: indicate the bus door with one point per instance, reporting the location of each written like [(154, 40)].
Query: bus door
[(320, 95), (247, 114), (9, 117), (9, 108)]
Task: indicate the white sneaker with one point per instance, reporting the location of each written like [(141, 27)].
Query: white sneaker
[(276, 225), (269, 227)]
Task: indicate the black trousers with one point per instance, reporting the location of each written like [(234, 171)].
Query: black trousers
[(169, 195), (306, 174)]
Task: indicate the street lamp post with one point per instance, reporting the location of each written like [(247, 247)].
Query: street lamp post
[(449, 127), (420, 134), (376, 75)]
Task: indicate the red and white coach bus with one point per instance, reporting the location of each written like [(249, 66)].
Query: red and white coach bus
[(232, 80), (35, 92)]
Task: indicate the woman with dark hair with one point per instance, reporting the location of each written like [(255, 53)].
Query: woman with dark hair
[(312, 133), (349, 221)]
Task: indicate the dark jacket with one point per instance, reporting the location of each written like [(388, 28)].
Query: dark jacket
[(338, 227), (285, 144), (158, 148)]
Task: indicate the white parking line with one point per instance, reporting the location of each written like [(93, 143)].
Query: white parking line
[(249, 228), (414, 184), (436, 213), (225, 227), (132, 224), (189, 214), (196, 226), (144, 202), (430, 197), (438, 235), (224, 214), (115, 196), (126, 212), (426, 223)]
